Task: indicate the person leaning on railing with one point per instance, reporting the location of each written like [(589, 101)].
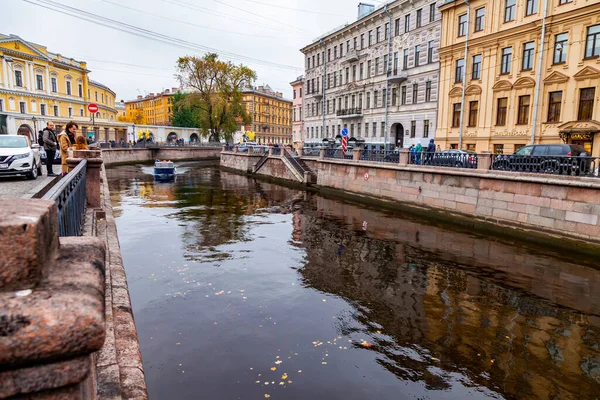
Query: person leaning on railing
[(80, 143), (64, 143)]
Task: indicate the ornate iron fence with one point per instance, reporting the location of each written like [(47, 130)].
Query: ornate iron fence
[(69, 195), (338, 154), (553, 165), (387, 156), (445, 159), (276, 151)]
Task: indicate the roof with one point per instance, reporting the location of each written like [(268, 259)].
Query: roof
[(246, 91), (101, 86)]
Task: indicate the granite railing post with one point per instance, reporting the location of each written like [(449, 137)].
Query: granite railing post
[(236, 149), (224, 148), (94, 164), (322, 153), (356, 154), (484, 161), (404, 157), (51, 302), (300, 152), (270, 151)]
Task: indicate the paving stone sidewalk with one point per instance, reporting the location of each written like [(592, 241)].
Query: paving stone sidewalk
[(21, 187)]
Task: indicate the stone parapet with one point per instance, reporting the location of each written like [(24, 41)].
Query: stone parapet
[(51, 316)]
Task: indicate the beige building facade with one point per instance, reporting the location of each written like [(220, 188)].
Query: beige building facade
[(509, 101), (271, 115)]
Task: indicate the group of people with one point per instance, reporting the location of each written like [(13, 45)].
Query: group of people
[(416, 152), (64, 142)]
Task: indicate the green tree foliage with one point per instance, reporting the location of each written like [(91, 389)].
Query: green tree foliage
[(183, 114), (216, 97)]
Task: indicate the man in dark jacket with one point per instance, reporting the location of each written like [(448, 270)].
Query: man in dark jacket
[(430, 151), (50, 144)]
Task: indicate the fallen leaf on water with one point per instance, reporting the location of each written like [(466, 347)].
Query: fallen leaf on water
[(366, 344), (273, 368), (257, 381), (281, 383), (379, 332), (324, 363), (284, 376), (267, 396), (278, 362), (290, 382), (300, 371)]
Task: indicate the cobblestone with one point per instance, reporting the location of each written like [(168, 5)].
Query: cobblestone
[(21, 187)]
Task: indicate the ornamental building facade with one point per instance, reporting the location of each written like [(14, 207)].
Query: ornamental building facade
[(515, 94), (271, 115), (377, 77), (37, 86)]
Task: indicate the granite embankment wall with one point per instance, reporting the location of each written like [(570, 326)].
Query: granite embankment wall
[(538, 205), (130, 156)]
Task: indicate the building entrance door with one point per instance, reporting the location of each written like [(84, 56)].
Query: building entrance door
[(399, 135)]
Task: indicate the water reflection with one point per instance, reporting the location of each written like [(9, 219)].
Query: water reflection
[(367, 304)]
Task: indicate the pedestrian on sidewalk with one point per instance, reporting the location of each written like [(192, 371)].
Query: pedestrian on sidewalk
[(50, 145), (65, 144), (430, 151)]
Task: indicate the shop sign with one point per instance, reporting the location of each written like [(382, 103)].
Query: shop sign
[(512, 133)]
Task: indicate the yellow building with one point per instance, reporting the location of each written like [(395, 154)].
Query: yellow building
[(153, 109), (508, 100), (37, 85), (271, 115)]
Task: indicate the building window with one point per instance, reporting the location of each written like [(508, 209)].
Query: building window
[(362, 41), (586, 103), (462, 25), (56, 114), (403, 95), (370, 38), (413, 129), (70, 112), (40, 82), (406, 23), (80, 90), (473, 108), (506, 60), (426, 128), (528, 56), (354, 73), (19, 78), (387, 31), (102, 97), (375, 98), (432, 12), (428, 91), (405, 60), (53, 85), (476, 73), (419, 12), (561, 2), (499, 149), (68, 88), (369, 69), (561, 44), (394, 96), (368, 100), (523, 116), (376, 65), (479, 19), (502, 111), (386, 64), (460, 66), (554, 102), (531, 7), (42, 109), (415, 93), (374, 129), (22, 107), (96, 96), (1, 105), (456, 115), (395, 63), (430, 52), (509, 10), (592, 45), (366, 129), (397, 27), (377, 34), (382, 129)]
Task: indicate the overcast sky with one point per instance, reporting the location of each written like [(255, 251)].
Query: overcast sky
[(271, 31)]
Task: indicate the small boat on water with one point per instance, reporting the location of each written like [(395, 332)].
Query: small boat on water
[(164, 169)]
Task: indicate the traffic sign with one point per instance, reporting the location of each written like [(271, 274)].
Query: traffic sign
[(344, 144), (93, 108), (345, 132)]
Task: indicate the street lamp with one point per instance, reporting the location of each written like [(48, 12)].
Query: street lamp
[(134, 139)]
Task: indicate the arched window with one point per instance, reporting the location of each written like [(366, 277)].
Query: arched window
[(33, 106), (53, 82), (18, 74), (39, 79), (80, 88), (69, 89)]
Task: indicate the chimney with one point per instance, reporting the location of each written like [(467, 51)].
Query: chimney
[(139, 97), (365, 9), (167, 91), (151, 94), (174, 90)]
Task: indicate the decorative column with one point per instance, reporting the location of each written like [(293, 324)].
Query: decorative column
[(404, 157), (52, 302), (92, 180)]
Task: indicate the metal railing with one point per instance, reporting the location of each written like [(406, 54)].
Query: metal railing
[(69, 195), (338, 154), (311, 151), (552, 165), (441, 159), (276, 151), (388, 156), (299, 168), (228, 147), (349, 111), (261, 162)]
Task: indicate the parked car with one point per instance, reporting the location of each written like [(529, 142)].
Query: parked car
[(546, 158), (56, 156), (258, 148), (451, 158), (311, 151), (18, 157)]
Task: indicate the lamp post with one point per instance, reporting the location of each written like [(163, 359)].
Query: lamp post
[(134, 139)]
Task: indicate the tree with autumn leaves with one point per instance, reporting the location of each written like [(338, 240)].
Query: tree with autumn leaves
[(215, 97)]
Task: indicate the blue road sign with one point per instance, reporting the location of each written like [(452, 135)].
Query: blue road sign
[(247, 137), (345, 132)]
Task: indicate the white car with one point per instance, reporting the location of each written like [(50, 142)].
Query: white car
[(17, 157)]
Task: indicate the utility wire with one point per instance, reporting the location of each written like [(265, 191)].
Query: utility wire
[(134, 30), (297, 9), (196, 25)]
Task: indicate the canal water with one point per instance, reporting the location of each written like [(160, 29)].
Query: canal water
[(244, 289)]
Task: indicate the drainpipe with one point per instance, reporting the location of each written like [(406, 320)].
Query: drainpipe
[(464, 77), (387, 76), (323, 86), (539, 74)]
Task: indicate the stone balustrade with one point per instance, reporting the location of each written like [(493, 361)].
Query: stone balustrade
[(51, 304)]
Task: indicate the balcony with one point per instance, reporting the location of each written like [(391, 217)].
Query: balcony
[(397, 76), (352, 56), (317, 95), (348, 113)]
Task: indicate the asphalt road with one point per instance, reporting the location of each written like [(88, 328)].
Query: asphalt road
[(21, 187)]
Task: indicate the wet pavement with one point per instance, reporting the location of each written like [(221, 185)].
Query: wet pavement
[(243, 289), (21, 187)]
